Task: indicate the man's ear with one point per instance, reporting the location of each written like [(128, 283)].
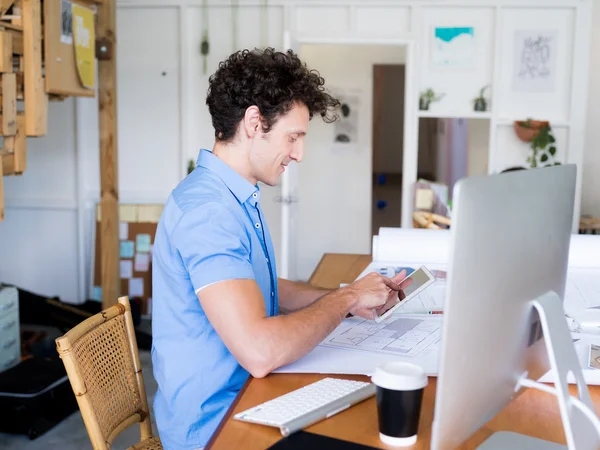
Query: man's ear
[(252, 121)]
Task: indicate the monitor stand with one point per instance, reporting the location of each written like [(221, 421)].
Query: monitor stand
[(580, 422)]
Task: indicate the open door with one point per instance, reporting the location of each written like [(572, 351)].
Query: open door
[(288, 200)]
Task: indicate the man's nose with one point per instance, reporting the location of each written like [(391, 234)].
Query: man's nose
[(297, 153)]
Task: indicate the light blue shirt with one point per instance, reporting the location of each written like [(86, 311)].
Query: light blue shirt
[(211, 229)]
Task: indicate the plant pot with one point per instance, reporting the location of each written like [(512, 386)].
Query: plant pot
[(423, 104), (480, 105), (528, 133)]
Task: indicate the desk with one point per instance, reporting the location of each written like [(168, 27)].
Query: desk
[(534, 413)]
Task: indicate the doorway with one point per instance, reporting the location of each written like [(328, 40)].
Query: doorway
[(451, 148), (388, 145), (334, 198)]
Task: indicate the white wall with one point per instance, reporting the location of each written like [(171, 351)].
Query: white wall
[(591, 167), (553, 106), (334, 209), (459, 86), (45, 240), (198, 131), (38, 238)]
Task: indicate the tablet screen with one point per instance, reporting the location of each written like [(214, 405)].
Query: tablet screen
[(409, 287)]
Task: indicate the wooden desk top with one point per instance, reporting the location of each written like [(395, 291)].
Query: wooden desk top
[(533, 413)]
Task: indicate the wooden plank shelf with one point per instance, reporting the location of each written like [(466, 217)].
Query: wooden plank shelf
[(37, 65)]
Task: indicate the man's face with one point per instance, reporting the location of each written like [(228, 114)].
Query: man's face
[(272, 152)]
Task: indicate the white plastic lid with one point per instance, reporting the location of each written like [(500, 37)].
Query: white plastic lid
[(399, 376), (398, 442)]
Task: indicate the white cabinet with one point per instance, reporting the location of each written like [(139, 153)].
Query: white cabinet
[(10, 337)]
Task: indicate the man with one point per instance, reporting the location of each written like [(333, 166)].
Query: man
[(216, 295)]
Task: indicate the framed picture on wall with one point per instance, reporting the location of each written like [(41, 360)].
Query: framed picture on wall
[(534, 64), (453, 47), (345, 129)]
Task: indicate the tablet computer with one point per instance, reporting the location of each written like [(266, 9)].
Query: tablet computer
[(409, 288)]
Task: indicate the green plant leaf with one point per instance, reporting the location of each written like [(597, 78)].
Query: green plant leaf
[(551, 139), (544, 157), (552, 150), (557, 163), (541, 141)]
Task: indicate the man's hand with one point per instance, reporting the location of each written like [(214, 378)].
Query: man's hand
[(394, 296), (373, 291)]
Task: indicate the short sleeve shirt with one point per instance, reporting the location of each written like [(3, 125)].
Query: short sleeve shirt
[(212, 229)]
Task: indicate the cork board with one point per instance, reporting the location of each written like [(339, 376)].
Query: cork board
[(137, 229), (61, 70)]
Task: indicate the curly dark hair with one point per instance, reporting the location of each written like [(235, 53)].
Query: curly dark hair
[(273, 81)]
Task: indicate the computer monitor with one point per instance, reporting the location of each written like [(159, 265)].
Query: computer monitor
[(509, 245)]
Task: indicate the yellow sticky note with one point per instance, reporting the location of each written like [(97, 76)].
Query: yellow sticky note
[(85, 45)]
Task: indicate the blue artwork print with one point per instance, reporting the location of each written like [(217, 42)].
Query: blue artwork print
[(453, 47)]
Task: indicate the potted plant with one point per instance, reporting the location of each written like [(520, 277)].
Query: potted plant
[(480, 103), (527, 130), (543, 148), (428, 97)]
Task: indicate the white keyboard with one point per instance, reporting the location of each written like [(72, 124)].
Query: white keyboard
[(317, 401)]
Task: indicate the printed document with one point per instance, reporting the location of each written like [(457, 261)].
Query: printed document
[(408, 337)]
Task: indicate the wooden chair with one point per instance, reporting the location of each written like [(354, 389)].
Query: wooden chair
[(102, 361)]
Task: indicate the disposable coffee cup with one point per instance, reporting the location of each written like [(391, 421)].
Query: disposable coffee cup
[(399, 393)]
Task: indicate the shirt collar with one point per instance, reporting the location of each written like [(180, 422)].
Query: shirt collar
[(238, 185)]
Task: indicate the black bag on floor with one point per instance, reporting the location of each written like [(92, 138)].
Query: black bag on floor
[(35, 395)]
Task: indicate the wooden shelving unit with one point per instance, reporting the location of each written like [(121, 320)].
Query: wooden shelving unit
[(450, 114), (33, 55), (46, 49)]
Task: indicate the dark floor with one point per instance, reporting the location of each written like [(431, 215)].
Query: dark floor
[(71, 434)]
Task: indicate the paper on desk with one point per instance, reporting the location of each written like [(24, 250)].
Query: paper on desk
[(432, 298), (582, 347), (357, 346), (433, 246), (584, 251), (393, 247), (582, 290), (339, 361), (411, 244)]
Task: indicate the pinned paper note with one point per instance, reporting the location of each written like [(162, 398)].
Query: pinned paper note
[(142, 262), (142, 243), (123, 231), (126, 268), (97, 293), (127, 249), (424, 199), (136, 287)]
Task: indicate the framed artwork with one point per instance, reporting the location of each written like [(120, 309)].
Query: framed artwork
[(453, 48), (345, 129), (534, 61)]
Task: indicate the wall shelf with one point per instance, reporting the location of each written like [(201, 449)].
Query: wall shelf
[(554, 124), (452, 115)]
